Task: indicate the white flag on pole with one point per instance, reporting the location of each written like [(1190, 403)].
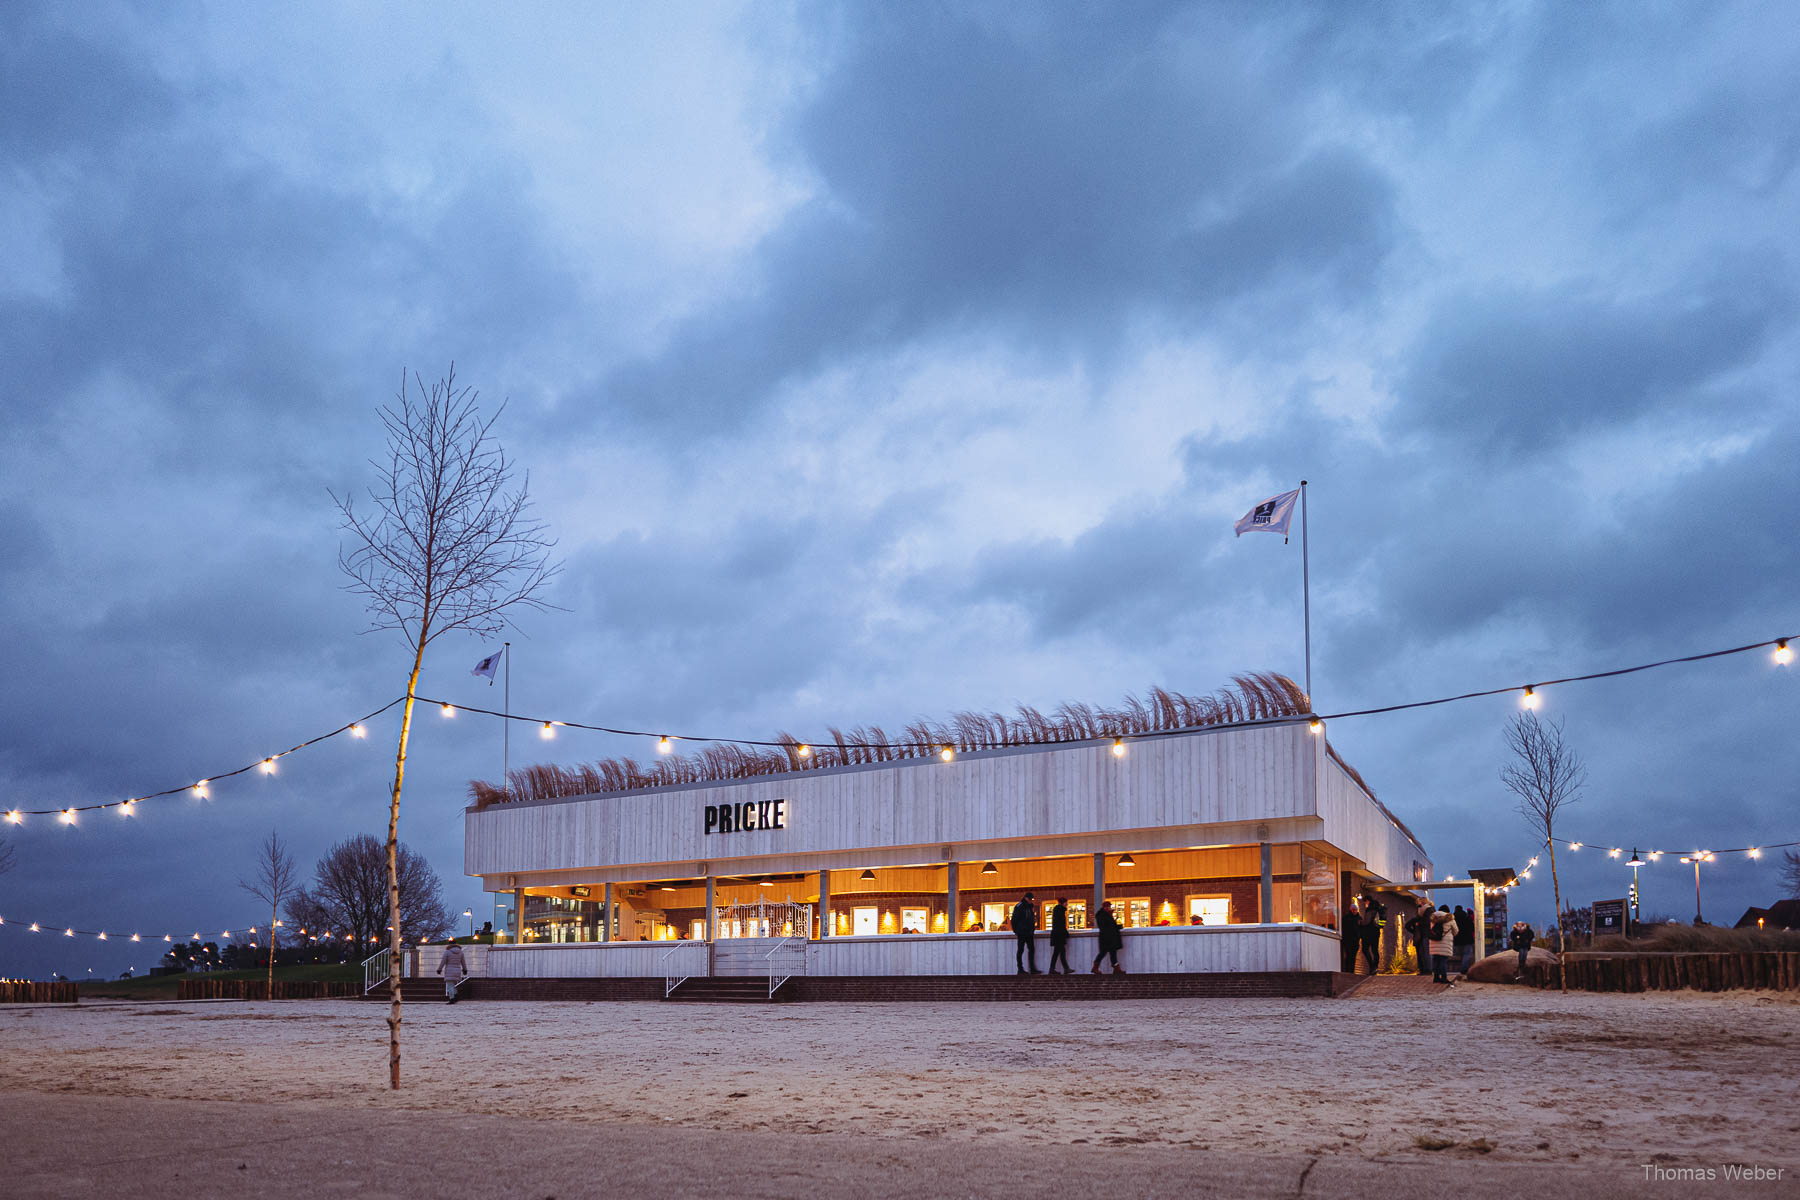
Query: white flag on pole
[(1271, 516), (486, 666)]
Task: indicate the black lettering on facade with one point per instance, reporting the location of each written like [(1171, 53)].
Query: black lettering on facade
[(745, 817), (712, 817)]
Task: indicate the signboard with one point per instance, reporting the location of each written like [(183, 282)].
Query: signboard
[(745, 818), (1609, 917)]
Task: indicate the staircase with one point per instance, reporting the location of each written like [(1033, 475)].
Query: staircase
[(425, 990), (731, 989)]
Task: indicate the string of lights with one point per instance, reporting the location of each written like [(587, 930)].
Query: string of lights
[(200, 788), (58, 929), (1528, 697)]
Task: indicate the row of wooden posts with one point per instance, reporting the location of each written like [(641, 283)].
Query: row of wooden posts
[(258, 989), (25, 991), (1769, 970)]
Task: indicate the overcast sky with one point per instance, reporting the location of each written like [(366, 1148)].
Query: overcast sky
[(872, 362)]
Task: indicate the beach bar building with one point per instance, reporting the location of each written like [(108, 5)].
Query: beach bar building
[(1227, 847)]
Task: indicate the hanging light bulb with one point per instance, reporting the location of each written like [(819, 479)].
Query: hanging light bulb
[(167, 938), (1529, 699), (1783, 654), (1118, 747), (136, 938), (103, 935), (125, 809), (947, 753), (34, 927), (449, 710), (68, 816), (1755, 853), (803, 750), (15, 817), (1316, 725), (358, 731), (1613, 853), (268, 766), (664, 745), (1574, 845), (199, 789), (547, 731)]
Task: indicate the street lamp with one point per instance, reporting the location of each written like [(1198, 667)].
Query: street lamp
[(1636, 862), (1697, 857), (470, 913)]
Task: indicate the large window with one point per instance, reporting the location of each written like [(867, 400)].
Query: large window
[(912, 920), (1209, 910), (865, 921)]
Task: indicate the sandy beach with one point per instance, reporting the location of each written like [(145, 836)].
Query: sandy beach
[(1490, 1075)]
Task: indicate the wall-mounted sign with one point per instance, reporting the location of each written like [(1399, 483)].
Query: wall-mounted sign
[(747, 817)]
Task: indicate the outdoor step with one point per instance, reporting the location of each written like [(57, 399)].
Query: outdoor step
[(729, 990), (413, 991)]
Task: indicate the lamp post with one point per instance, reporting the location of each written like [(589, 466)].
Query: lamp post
[(1697, 857), (470, 913), (1636, 862)]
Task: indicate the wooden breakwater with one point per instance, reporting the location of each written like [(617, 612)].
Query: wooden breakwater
[(1752, 970), (202, 988), (26, 992)]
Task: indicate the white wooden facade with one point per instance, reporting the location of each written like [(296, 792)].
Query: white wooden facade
[(1269, 782)]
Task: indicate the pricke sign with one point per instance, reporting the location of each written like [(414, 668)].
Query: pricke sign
[(747, 817)]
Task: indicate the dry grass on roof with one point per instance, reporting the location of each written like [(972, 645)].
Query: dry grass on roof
[(1250, 698)]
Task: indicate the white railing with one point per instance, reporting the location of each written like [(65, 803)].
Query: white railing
[(376, 969), (786, 959), (676, 973)]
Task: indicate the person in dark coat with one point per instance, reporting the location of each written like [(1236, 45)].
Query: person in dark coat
[(1059, 936), (1024, 927), (1373, 921), (1416, 928), (1465, 938), (1112, 938), (1520, 942), (1350, 939)]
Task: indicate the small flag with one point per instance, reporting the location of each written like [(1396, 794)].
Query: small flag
[(1271, 516), (486, 666)]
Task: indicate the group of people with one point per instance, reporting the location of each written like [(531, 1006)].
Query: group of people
[(1363, 922), (1025, 926)]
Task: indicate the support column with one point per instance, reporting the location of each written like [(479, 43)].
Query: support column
[(1099, 890), (825, 929), (606, 915), (1268, 885), (953, 918), (519, 916), (1480, 921), (712, 916)]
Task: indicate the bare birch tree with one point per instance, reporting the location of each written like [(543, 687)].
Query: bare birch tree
[(448, 545), (274, 884), (1546, 774)]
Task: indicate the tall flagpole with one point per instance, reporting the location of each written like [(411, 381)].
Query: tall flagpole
[(1306, 596), (506, 727)]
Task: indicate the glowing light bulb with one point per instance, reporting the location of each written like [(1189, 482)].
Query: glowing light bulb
[(68, 933), (167, 938), (947, 753), (1613, 853), (358, 731), (1574, 845), (15, 817), (1783, 654), (103, 935), (34, 927), (126, 809), (1118, 747), (449, 710), (1529, 699), (663, 745), (547, 731), (1755, 853), (1655, 855), (136, 938), (199, 789), (68, 816), (1316, 725), (268, 766), (804, 750)]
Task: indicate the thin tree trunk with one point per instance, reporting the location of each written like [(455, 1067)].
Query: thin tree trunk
[(393, 870), (1562, 969), (273, 904)]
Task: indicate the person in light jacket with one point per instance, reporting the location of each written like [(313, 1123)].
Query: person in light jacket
[(452, 968), (1112, 937), (1443, 942)]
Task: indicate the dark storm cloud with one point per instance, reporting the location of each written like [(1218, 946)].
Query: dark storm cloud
[(1045, 185), (1521, 371)]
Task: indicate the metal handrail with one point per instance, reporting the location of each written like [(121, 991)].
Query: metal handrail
[(374, 976), (671, 980), (785, 943)]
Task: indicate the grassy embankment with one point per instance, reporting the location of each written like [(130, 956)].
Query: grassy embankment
[(162, 987)]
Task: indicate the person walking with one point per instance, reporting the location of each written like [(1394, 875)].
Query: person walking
[(1443, 942), (1350, 939), (452, 968), (1112, 938), (1059, 936), (1024, 927)]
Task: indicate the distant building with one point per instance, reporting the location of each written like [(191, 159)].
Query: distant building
[(1783, 914)]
